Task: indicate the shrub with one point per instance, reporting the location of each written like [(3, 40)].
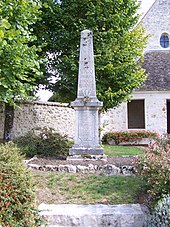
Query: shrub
[(16, 190), (161, 213), (154, 167), (43, 142), (127, 136)]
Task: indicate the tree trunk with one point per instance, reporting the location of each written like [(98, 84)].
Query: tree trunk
[(8, 124)]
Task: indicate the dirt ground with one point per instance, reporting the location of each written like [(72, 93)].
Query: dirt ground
[(117, 161)]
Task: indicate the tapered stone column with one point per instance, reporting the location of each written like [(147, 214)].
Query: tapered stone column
[(86, 104)]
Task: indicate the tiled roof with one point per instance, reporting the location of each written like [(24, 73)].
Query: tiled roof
[(157, 66)]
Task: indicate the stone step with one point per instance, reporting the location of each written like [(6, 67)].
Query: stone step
[(68, 215)]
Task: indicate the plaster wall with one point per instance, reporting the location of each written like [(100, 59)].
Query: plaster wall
[(114, 119), (157, 21), (155, 113)]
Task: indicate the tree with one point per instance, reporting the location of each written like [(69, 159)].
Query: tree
[(19, 61), (118, 46)]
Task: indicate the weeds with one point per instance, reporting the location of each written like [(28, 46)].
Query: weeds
[(89, 188)]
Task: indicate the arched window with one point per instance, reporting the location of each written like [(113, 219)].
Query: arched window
[(164, 40)]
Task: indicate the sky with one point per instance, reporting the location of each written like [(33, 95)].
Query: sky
[(145, 5), (44, 95)]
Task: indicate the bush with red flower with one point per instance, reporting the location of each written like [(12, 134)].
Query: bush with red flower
[(16, 190), (154, 167), (127, 136)]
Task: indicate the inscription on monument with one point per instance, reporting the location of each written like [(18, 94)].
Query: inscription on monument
[(86, 124), (86, 105), (86, 66)]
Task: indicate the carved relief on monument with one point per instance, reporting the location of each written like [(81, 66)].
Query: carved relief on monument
[(86, 126)]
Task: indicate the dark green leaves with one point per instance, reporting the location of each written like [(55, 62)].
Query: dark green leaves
[(118, 45)]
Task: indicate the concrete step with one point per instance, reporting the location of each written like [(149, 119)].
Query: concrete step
[(62, 215)]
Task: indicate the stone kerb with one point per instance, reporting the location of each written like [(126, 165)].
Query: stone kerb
[(61, 215), (91, 167)]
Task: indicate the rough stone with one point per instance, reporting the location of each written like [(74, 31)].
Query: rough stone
[(34, 166), (51, 168), (92, 168), (128, 170), (72, 169), (63, 168), (82, 169), (107, 169), (31, 115), (67, 168), (111, 169)]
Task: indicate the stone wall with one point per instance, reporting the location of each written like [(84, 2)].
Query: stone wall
[(157, 21), (1, 120), (39, 114), (61, 117)]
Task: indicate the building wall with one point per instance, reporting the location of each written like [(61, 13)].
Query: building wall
[(155, 113), (114, 119), (39, 114), (157, 21), (62, 118)]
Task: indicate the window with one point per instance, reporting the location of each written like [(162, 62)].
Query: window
[(164, 40), (136, 114)]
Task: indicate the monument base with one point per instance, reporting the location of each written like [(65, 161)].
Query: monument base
[(86, 151), (87, 157)]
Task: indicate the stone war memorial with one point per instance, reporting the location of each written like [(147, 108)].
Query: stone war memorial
[(86, 105)]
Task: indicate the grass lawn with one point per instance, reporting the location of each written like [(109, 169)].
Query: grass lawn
[(86, 188), (112, 150), (59, 188)]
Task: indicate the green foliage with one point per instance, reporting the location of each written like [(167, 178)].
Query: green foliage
[(18, 54), (118, 46), (127, 136), (16, 190), (161, 213), (111, 150), (154, 167), (43, 142), (87, 188)]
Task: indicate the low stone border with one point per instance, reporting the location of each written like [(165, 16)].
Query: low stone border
[(99, 215), (107, 169)]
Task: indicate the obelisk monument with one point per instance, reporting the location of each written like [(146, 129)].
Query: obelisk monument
[(86, 105)]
